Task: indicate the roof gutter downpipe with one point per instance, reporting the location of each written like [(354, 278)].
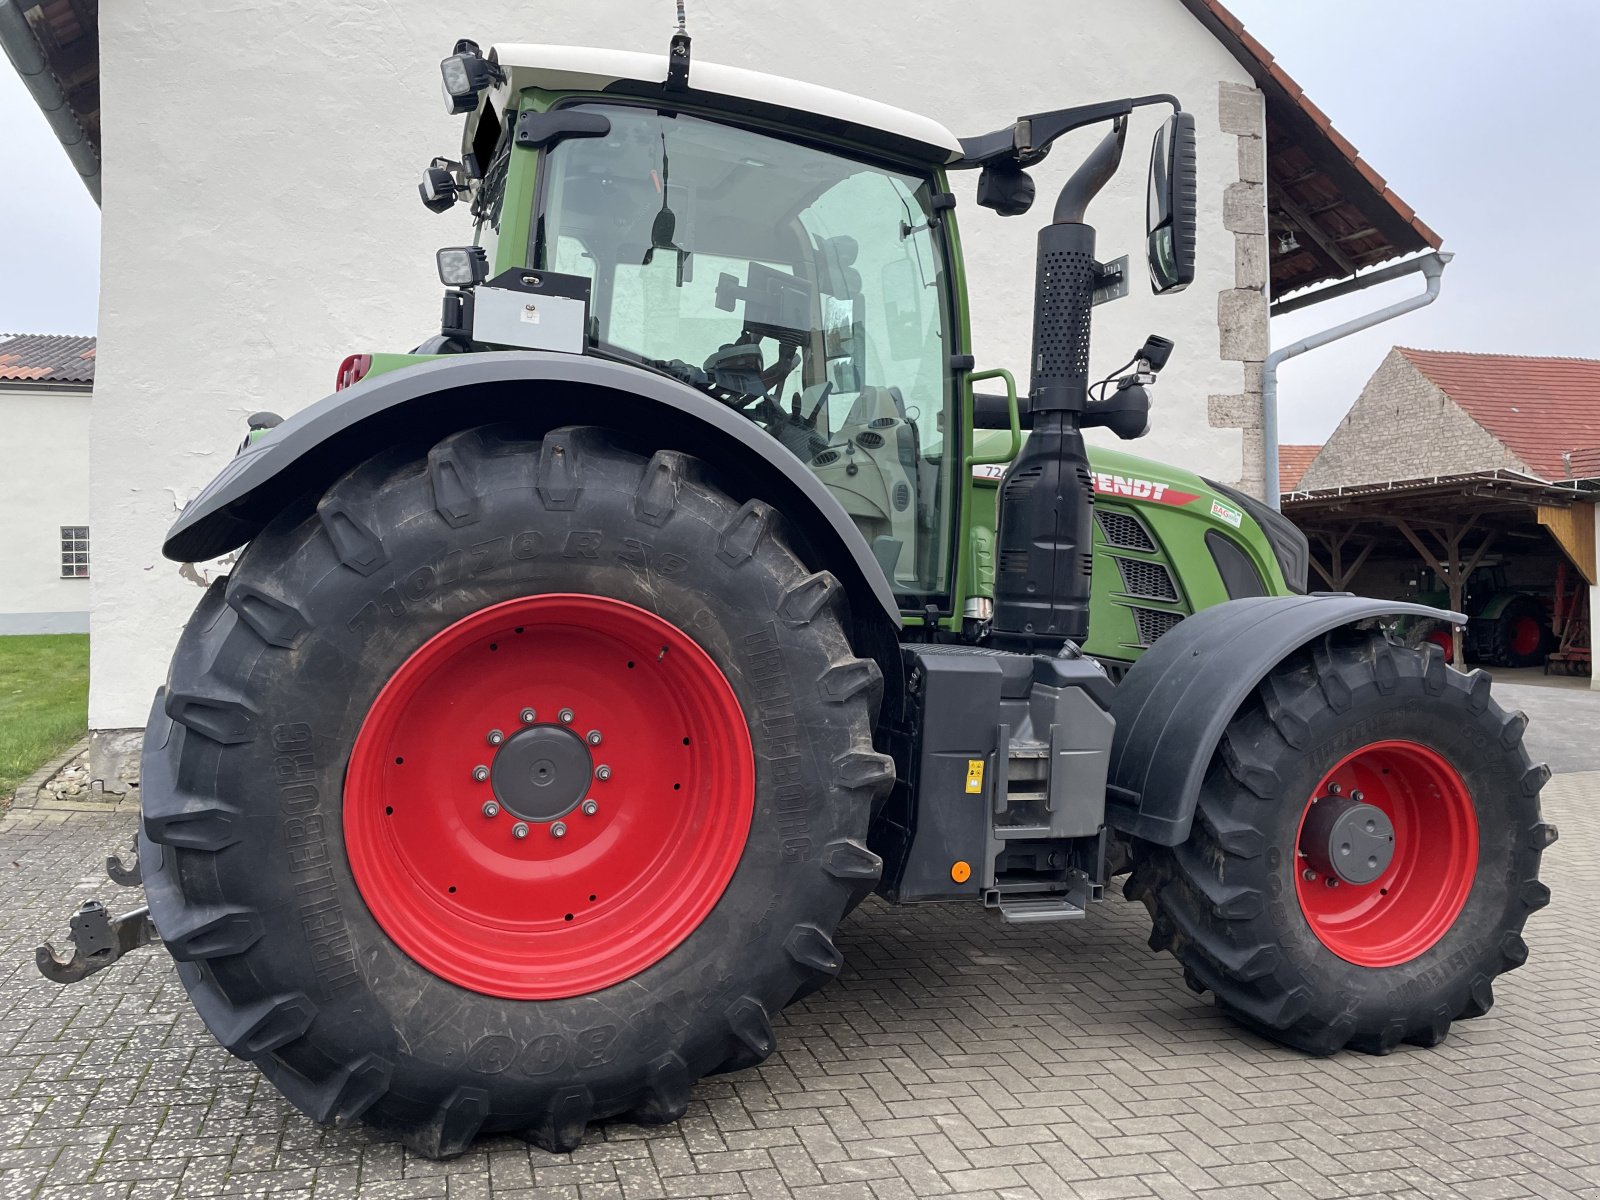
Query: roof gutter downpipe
[(16, 37), (1432, 267)]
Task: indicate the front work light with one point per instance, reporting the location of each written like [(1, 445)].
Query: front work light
[(441, 185), (462, 266), (466, 73)]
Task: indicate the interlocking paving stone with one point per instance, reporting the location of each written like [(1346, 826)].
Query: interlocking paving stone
[(953, 1057)]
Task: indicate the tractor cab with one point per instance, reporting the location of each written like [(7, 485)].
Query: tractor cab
[(805, 289), (805, 282), (785, 248)]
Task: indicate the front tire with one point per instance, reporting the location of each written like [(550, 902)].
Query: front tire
[(345, 910), (1409, 938)]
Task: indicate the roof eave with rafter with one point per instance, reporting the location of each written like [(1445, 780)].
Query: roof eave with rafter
[(1331, 214)]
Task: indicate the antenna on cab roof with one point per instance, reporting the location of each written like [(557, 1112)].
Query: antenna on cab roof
[(678, 56)]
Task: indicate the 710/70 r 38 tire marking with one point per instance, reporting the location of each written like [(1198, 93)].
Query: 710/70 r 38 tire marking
[(563, 902)]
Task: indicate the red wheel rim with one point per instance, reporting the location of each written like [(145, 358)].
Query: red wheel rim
[(544, 916), (1416, 899), (1525, 636)]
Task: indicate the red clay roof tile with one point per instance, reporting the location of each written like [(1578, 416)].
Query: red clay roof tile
[(1546, 411), (48, 358), (1292, 464)]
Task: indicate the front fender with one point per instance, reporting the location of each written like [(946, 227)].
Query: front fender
[(538, 391), (1173, 705)]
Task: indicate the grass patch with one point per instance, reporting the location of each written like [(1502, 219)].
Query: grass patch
[(44, 701)]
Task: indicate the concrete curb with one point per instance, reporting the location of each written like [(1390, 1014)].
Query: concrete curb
[(27, 794)]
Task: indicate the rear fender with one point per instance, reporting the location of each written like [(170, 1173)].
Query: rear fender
[(1173, 705), (1495, 607), (538, 392)]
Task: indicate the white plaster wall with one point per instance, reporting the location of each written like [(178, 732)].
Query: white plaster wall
[(45, 485), (261, 218)]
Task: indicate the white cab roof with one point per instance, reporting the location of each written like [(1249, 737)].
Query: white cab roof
[(584, 69)]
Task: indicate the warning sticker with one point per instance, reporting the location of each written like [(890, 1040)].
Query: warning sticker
[(974, 776)]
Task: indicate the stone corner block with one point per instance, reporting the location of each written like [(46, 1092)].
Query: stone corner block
[(1242, 324), (1244, 208), (1253, 159), (1249, 260), (1241, 109)]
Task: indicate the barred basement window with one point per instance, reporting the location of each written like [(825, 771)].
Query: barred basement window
[(74, 552)]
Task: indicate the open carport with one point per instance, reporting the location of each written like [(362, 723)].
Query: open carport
[(1471, 537)]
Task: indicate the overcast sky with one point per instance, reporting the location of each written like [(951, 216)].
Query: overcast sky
[(1477, 112)]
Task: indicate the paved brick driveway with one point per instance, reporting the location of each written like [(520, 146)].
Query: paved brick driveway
[(954, 1056)]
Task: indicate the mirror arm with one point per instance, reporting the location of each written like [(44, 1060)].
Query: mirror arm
[(1028, 139)]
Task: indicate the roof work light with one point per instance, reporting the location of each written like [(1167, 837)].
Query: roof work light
[(466, 72)]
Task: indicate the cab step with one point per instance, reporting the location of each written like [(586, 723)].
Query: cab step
[(1040, 908)]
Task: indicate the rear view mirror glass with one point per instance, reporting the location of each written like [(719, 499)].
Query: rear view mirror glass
[(1171, 209)]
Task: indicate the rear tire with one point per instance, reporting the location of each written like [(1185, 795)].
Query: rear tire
[(1429, 935), (247, 834), (1520, 636)]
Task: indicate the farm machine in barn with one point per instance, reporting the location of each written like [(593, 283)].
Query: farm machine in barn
[(583, 669)]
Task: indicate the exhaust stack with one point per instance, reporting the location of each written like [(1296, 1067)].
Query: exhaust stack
[(1044, 541)]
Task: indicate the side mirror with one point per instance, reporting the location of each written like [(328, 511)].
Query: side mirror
[(1171, 212)]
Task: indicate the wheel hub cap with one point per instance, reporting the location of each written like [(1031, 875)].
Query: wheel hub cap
[(1347, 839), (542, 773)]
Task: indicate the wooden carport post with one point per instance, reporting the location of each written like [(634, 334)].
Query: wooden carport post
[(1337, 575), (1453, 571)]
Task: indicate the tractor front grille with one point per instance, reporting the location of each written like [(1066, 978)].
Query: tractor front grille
[(1147, 580), (1124, 531), (1152, 623)]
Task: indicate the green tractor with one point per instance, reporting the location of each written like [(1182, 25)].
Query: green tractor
[(1506, 626), (584, 668)]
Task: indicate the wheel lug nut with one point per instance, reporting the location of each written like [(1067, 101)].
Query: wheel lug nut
[(1357, 797), (1309, 875), (602, 772), (590, 808), (558, 830), (566, 716), (593, 737), (491, 809), (1334, 789), (1332, 882), (480, 772), (496, 737), (519, 830), (528, 716)]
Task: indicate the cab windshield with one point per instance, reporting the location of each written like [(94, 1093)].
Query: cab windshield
[(802, 288)]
